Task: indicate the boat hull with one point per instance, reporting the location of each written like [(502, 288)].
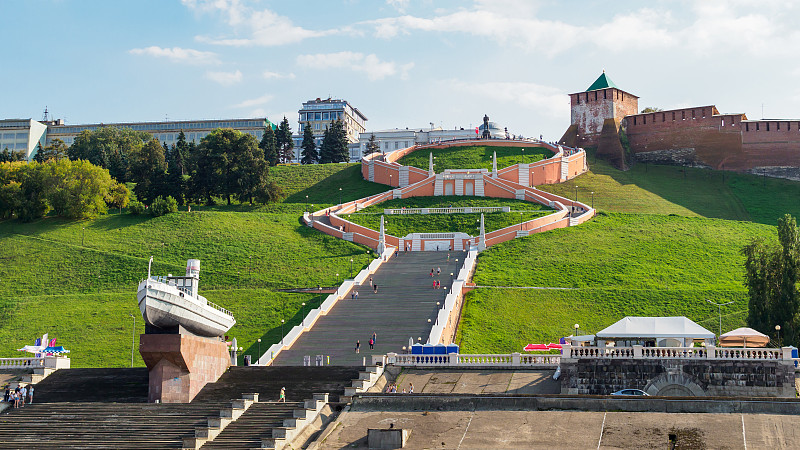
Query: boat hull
[(164, 307)]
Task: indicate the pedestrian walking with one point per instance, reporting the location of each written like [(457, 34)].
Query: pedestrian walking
[(358, 346), (22, 394), (30, 394), (371, 344), (356, 295), (431, 273), (410, 388), (282, 395), (370, 281), (448, 257), (438, 271), (353, 295), (434, 284), (374, 337), (375, 288)]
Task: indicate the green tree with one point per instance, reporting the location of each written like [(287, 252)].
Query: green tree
[(269, 145), (285, 142), (310, 155), (77, 189), (118, 196), (10, 188), (57, 149), (326, 148), (771, 275), (147, 167), (336, 149), (108, 147), (372, 146), (651, 109)]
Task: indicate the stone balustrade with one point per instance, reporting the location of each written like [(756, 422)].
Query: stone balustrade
[(708, 352), (455, 360), (465, 210), (21, 363)]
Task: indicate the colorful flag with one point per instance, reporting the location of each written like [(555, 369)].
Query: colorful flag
[(52, 343), (37, 342)]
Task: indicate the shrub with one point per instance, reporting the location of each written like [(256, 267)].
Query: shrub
[(161, 206), (136, 207)]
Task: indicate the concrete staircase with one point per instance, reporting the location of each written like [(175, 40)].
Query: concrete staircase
[(403, 182), (524, 175), (94, 385), (438, 187), (401, 309), (301, 383), (101, 425), (479, 188)]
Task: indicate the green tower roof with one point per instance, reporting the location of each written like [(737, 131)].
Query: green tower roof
[(602, 82)]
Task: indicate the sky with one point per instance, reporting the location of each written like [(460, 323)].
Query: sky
[(402, 63)]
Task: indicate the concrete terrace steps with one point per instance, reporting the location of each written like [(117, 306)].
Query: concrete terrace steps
[(102, 425), (255, 424), (94, 385), (401, 308), (300, 382)]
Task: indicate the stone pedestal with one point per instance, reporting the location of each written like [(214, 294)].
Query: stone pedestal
[(180, 365)]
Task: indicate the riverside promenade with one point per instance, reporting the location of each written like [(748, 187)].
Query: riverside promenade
[(398, 311)]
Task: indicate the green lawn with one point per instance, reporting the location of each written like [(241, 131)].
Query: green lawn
[(401, 225), (474, 157), (656, 189), (77, 279), (613, 266)]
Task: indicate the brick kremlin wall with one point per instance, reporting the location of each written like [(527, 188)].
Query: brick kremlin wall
[(701, 136)]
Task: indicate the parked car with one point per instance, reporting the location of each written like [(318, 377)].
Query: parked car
[(631, 392)]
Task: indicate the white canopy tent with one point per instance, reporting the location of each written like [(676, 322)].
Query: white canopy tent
[(743, 337), (660, 331)]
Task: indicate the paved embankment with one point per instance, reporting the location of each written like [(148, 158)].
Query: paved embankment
[(398, 311)]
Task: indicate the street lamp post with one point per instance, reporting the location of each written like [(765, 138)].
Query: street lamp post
[(282, 321), (576, 193), (576, 326), (719, 308), (340, 196), (592, 199), (306, 203), (303, 312), (133, 336), (259, 349), (351, 267), (778, 329)]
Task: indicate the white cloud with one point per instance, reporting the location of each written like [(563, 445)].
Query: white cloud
[(225, 78), (262, 27), (269, 75), (399, 5), (371, 65), (177, 54), (266, 98), (532, 96)]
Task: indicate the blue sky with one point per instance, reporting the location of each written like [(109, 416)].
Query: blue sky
[(403, 63)]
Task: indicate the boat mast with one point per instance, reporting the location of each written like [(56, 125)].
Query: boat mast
[(148, 267)]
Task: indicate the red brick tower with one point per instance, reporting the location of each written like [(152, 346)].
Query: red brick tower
[(592, 107)]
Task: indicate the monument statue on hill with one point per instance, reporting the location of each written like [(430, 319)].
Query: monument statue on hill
[(486, 134)]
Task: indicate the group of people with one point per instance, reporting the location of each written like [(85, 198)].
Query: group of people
[(372, 341), (19, 395), (392, 389)]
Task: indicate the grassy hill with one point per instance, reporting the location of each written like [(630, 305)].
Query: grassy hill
[(77, 280), (401, 225), (613, 266), (475, 157)]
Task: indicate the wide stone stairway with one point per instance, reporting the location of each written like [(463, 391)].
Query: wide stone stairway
[(102, 425), (398, 311), (86, 408)]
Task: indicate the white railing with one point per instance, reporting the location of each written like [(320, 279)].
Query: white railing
[(473, 360), (21, 363), (219, 308), (707, 352), (465, 210)]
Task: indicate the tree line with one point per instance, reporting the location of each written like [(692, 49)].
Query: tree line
[(771, 275)]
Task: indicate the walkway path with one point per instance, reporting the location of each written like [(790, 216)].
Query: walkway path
[(401, 309)]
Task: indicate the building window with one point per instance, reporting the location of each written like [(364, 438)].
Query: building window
[(644, 120), (683, 115), (663, 117), (757, 126), (605, 97), (634, 120), (692, 114), (326, 116), (316, 126), (767, 126), (673, 116)]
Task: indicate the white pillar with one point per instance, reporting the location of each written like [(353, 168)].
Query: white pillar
[(430, 165), (494, 164), (382, 239), (482, 237)]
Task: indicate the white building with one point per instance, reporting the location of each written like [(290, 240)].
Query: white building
[(166, 132), (319, 114), (26, 134), (22, 135)]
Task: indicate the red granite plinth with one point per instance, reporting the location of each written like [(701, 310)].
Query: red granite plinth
[(180, 365)]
